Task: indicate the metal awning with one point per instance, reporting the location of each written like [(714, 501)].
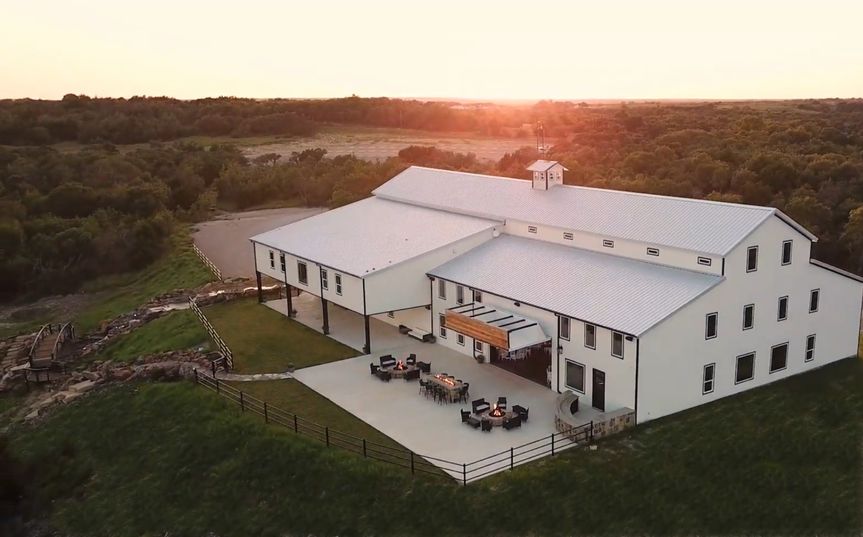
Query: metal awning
[(500, 328)]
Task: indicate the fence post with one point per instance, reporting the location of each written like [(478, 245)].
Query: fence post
[(327, 434), (364, 448), (412, 462), (552, 444), (266, 416), (295, 424), (195, 371), (464, 474), (213, 364), (591, 430), (242, 402), (511, 458)]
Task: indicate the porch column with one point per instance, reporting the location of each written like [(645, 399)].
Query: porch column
[(288, 289), (260, 290), (368, 347), (326, 313)]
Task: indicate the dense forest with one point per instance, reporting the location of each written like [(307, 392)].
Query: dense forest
[(67, 216)]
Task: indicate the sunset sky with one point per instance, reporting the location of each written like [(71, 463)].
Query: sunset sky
[(473, 49)]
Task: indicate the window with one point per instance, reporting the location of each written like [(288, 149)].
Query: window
[(810, 348), (459, 294), (778, 357), (338, 284), (282, 261), (782, 314), (441, 289), (302, 273), (325, 279), (442, 325), (786, 252), (567, 236), (710, 325), (752, 259), (813, 300), (575, 376), (477, 296), (531, 229), (590, 336), (563, 327), (745, 368), (608, 244), (653, 251), (707, 379), (460, 339), (706, 261), (617, 344), (748, 316), (272, 260), (391, 315), (477, 345)]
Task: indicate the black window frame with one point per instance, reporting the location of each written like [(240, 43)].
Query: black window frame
[(477, 343), (338, 278), (442, 330), (568, 236), (772, 357), (477, 296), (814, 294), (653, 251), (607, 243), (531, 229), (751, 261), (441, 289), (712, 380), (790, 245), (459, 294), (460, 339), (752, 323), (737, 380), (272, 260), (282, 262), (707, 317), (592, 336), (325, 279), (560, 324), (583, 375), (779, 308), (615, 335), (809, 351), (705, 261), (302, 273)]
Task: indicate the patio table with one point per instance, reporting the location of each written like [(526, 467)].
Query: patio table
[(450, 386)]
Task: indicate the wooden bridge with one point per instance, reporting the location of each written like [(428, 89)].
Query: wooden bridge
[(47, 351)]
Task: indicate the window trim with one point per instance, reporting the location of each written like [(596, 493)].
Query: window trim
[(622, 345), (560, 321), (531, 229), (568, 236), (459, 294), (594, 336), (653, 251), (770, 365), (272, 260), (817, 294), (782, 261), (441, 289), (460, 339), (282, 264), (583, 376), (338, 279), (477, 296), (779, 308), (712, 380), (606, 243), (737, 367), (441, 325), (477, 345), (750, 249), (715, 325), (302, 264), (806, 350), (751, 326), (705, 261), (325, 279)]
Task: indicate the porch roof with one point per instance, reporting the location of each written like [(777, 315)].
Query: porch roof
[(498, 327)]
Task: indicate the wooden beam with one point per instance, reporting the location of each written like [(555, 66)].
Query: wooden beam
[(477, 329)]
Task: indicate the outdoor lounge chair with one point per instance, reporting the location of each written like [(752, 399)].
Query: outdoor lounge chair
[(512, 423), (424, 367), (465, 414), (480, 406), (384, 375), (411, 359), (521, 411), (413, 374), (486, 425), (501, 402), (387, 361), (374, 369)]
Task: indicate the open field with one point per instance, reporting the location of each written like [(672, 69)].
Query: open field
[(783, 459), (264, 341)]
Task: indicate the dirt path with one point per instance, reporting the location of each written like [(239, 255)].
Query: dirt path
[(225, 240)]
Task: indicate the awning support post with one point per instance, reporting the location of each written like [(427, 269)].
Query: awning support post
[(326, 314), (368, 347), (260, 290)]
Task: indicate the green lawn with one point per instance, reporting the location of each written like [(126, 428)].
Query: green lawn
[(152, 459), (175, 331), (179, 268), (265, 341)]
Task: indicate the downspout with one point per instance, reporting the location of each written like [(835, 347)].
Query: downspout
[(637, 352)]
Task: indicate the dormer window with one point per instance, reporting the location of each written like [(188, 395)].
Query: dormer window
[(531, 229)]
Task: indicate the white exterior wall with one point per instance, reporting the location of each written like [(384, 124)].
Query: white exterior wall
[(619, 373), (419, 318), (674, 257), (673, 354), (406, 285)]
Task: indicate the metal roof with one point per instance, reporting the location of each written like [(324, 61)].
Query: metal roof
[(697, 225), (522, 332), (543, 165), (371, 235), (615, 292)]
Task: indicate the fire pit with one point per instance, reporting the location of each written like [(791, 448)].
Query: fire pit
[(400, 369), (497, 415)]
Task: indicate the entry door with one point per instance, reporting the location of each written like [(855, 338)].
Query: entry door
[(599, 389)]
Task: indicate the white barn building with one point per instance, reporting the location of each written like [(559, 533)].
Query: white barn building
[(630, 300)]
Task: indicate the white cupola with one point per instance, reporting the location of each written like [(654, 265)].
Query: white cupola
[(546, 174)]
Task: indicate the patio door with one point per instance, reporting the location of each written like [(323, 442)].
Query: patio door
[(599, 389)]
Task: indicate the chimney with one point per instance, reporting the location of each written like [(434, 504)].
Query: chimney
[(546, 174)]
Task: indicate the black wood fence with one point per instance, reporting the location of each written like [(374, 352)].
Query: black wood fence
[(227, 355), (463, 472)]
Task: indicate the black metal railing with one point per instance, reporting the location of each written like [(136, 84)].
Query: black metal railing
[(463, 472)]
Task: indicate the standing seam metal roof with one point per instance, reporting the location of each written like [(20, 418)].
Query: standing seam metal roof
[(611, 291), (697, 225)]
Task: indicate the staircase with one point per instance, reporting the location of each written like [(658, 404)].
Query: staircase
[(13, 351)]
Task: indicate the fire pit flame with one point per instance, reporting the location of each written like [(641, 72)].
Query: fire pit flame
[(400, 366), (496, 411)]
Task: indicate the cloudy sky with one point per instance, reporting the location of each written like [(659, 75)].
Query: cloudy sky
[(480, 49)]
